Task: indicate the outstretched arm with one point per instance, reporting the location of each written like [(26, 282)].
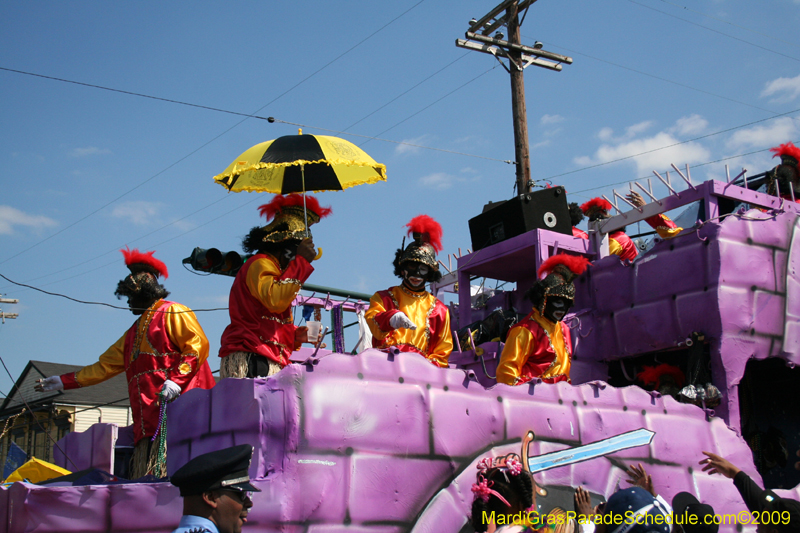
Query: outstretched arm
[(185, 331), (110, 364)]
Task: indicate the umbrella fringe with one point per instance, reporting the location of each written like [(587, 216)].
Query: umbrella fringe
[(378, 167)]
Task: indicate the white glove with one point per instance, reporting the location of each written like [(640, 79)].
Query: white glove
[(401, 320), (49, 384), (170, 390)]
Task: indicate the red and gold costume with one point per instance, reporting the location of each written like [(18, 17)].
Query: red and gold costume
[(432, 338), (664, 226), (262, 336), (535, 347), (260, 308), (165, 343), (579, 233), (785, 178), (539, 346), (622, 245), (415, 265)]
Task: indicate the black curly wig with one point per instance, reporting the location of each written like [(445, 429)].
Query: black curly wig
[(518, 490), (141, 290), (433, 274), (575, 214), (253, 242)]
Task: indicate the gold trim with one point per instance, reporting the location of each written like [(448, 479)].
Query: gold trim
[(278, 320), (412, 293)]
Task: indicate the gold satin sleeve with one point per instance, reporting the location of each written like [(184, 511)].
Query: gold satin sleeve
[(111, 363), (274, 294), (441, 352), (185, 331), (666, 232), (375, 307), (518, 344), (614, 248)]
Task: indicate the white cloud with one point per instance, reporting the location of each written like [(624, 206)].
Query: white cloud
[(89, 150), (140, 213), (786, 89), (650, 152), (541, 144), (636, 129), (551, 119), (10, 217), (771, 133), (691, 125), (605, 134), (408, 146), (443, 180)]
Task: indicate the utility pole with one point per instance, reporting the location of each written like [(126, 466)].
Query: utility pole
[(519, 56), (3, 315)]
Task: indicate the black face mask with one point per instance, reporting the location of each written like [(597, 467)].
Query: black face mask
[(141, 290), (556, 308), (415, 275)]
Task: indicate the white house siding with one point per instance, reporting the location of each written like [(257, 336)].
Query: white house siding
[(86, 415)]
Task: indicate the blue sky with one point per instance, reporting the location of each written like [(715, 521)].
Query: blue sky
[(87, 171)]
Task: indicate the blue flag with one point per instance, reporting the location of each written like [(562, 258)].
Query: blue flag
[(15, 459)]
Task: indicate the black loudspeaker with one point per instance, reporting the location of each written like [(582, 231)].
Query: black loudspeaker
[(544, 209)]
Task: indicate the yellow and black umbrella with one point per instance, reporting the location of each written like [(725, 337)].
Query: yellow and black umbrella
[(299, 164)]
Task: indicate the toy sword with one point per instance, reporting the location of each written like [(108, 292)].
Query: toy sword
[(631, 439)]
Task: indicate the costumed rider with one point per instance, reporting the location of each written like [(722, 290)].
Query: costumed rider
[(785, 178), (539, 346), (575, 218), (262, 334), (163, 355), (663, 225), (618, 243), (407, 316)]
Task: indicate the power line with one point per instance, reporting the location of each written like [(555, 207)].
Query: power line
[(693, 166), (730, 23), (245, 115), (716, 31), (667, 80), (102, 303), (669, 146)]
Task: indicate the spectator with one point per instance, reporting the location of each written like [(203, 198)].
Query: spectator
[(503, 495), (691, 516), (216, 491), (755, 498)]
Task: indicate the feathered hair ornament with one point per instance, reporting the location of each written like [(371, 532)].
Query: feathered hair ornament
[(425, 228), (137, 261), (787, 149), (280, 202), (595, 205), (576, 264), (651, 375)]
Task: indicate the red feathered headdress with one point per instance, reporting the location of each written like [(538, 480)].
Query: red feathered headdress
[(429, 230), (651, 375), (280, 202), (137, 261), (786, 149), (576, 264), (596, 204)]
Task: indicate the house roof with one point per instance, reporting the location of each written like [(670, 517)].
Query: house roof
[(113, 391)]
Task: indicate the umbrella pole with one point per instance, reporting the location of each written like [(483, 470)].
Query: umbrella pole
[(303, 179)]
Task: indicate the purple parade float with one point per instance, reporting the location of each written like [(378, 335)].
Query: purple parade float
[(383, 441)]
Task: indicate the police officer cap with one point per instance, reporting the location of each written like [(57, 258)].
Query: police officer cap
[(222, 469)]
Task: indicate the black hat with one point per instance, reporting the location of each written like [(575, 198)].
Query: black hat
[(685, 506), (227, 468)]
